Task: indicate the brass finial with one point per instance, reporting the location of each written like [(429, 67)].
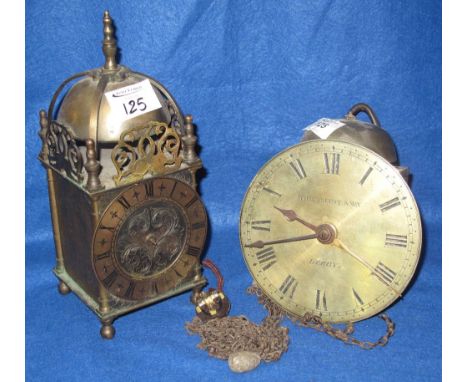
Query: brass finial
[(93, 167), (189, 141), (109, 45), (43, 121)]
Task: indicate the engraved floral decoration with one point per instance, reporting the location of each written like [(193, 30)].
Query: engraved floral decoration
[(153, 148), (62, 151), (151, 239)]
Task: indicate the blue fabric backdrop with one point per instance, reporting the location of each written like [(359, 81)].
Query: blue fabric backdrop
[(253, 73)]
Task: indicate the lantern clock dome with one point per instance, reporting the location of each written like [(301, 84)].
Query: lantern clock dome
[(85, 110)]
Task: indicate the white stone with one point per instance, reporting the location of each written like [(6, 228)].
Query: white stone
[(243, 361)]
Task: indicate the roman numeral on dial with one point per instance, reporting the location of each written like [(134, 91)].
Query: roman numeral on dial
[(384, 273), (149, 188), (124, 202), (272, 192), (130, 290), (193, 251), (110, 278), (111, 229), (332, 163), (365, 176), (198, 225), (289, 284), (296, 165), (396, 240), (191, 201), (261, 225), (390, 204), (102, 256), (177, 273), (155, 287), (320, 300), (173, 189), (357, 298), (266, 257)]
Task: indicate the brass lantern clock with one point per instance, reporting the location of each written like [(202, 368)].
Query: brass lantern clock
[(129, 225)]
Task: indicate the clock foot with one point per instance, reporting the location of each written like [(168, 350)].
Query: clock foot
[(107, 330), (63, 288), (195, 295)]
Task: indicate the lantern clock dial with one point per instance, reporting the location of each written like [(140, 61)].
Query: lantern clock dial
[(332, 229), (149, 238)]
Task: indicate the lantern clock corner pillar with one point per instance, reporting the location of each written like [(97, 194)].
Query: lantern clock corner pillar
[(59, 268)]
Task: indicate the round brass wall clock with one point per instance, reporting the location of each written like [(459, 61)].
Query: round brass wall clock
[(332, 229)]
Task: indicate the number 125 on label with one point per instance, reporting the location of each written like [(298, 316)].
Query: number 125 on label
[(133, 100)]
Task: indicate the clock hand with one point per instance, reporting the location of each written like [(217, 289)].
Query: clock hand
[(292, 216), (326, 233), (338, 243), (261, 244)]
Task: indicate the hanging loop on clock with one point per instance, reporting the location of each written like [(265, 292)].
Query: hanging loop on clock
[(363, 108)]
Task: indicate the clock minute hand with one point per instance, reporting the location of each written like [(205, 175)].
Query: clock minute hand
[(261, 244), (338, 243), (292, 216)]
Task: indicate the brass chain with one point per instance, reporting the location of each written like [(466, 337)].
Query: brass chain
[(316, 322), (345, 335), (224, 335)]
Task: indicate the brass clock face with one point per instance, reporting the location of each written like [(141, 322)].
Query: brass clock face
[(149, 238), (332, 229)]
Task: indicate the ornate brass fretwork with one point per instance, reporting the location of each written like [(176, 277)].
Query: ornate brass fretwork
[(153, 148), (175, 123), (63, 153)]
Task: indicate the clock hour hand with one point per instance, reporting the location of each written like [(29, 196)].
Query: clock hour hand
[(338, 243), (261, 244), (292, 216)]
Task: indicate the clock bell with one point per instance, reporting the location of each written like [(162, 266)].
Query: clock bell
[(351, 130), (129, 225)]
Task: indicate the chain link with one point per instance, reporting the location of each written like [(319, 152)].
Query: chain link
[(316, 322)]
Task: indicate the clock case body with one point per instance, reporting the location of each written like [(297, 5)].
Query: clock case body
[(85, 173), (75, 217)]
